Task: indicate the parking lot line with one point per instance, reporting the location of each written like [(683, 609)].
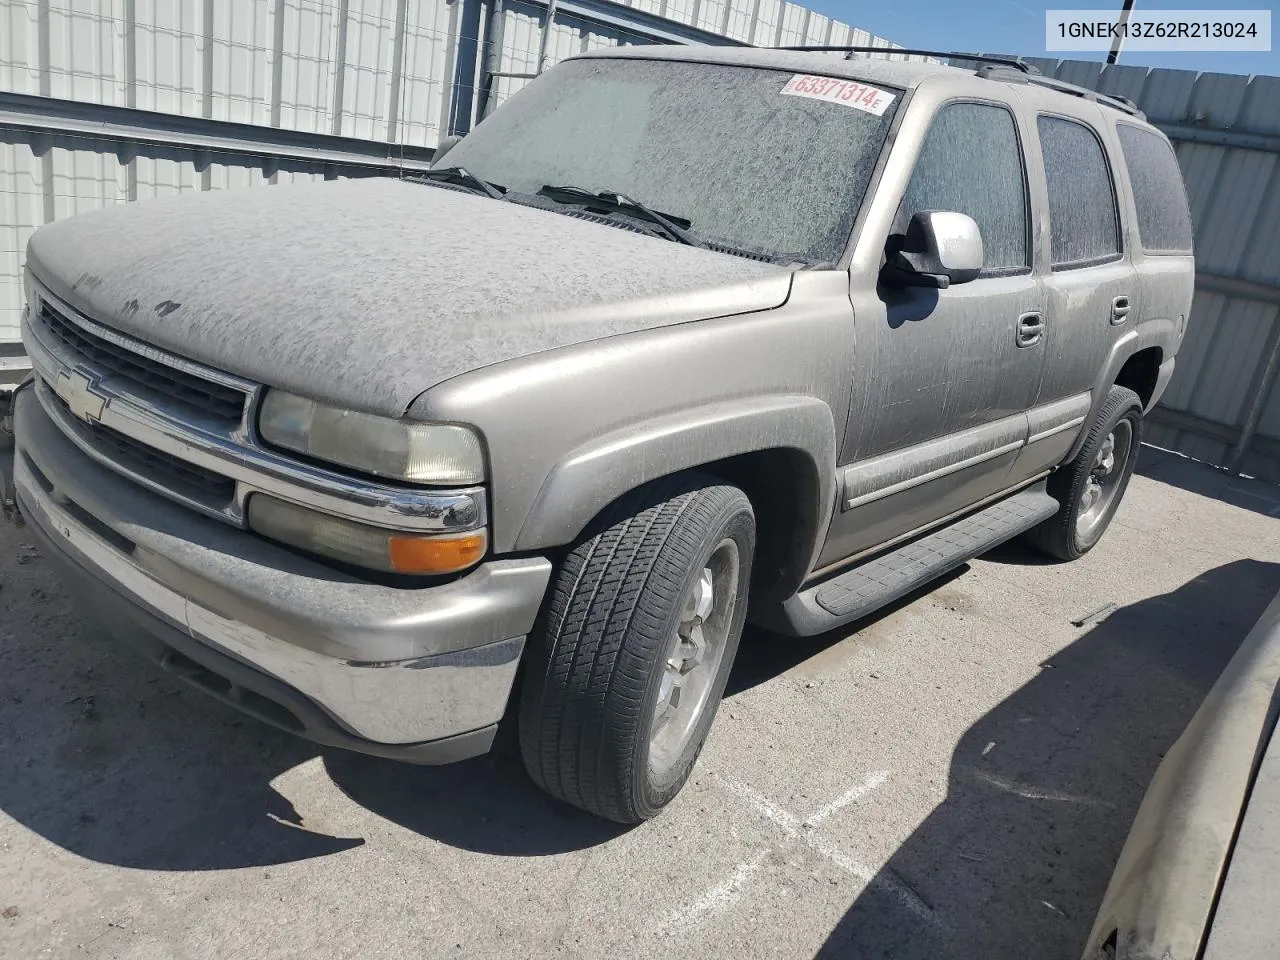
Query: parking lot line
[(806, 832), (715, 900), (855, 794)]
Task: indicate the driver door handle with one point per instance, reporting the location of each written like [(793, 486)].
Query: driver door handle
[(1030, 329)]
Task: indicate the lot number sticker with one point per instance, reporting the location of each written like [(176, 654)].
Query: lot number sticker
[(848, 93)]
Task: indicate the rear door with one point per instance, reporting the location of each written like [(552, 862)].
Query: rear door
[(1091, 283)]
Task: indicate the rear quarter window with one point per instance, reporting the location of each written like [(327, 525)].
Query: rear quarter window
[(1164, 221)]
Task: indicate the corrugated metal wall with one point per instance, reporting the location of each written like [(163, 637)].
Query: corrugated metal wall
[(340, 75), (374, 69), (1222, 405)]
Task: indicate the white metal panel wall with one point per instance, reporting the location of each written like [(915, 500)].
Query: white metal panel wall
[(1235, 206), (168, 56), (430, 34), (324, 66)]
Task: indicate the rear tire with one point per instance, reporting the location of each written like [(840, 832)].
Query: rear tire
[(1092, 485), (631, 652)]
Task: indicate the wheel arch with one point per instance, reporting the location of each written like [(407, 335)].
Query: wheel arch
[(780, 451), (1131, 358), (1140, 373)]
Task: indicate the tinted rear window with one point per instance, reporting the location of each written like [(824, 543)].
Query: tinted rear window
[(1164, 222), (1082, 201)]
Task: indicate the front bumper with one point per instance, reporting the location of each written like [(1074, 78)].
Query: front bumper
[(417, 674)]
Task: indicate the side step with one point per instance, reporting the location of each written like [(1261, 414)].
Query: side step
[(880, 580)]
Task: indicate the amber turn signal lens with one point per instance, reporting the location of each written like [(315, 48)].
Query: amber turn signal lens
[(436, 554), (362, 545)]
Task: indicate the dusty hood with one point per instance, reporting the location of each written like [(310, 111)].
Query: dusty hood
[(366, 292)]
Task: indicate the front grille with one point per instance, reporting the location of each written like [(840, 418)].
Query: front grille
[(183, 478), (213, 400)]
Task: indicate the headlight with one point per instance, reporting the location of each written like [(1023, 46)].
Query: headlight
[(435, 453), (361, 544)]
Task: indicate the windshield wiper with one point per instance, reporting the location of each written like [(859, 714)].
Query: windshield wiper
[(621, 203), (456, 174)]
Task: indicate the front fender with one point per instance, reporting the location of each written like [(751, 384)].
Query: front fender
[(592, 476)]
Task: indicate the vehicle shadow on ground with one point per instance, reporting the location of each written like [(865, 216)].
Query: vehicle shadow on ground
[(110, 759), (107, 756), (1043, 789), (489, 804), (115, 761), (764, 655)]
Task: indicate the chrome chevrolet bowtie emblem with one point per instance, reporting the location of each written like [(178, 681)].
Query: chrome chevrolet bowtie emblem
[(76, 390)]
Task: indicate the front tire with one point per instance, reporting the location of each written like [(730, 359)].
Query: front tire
[(630, 655), (1092, 485)]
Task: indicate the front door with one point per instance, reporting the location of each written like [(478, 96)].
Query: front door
[(944, 378)]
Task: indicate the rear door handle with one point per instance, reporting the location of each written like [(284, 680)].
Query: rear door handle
[(1119, 310), (1030, 329)]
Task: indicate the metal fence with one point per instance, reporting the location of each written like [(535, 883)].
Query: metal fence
[(1222, 405)]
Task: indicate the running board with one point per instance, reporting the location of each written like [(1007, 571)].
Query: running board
[(890, 576)]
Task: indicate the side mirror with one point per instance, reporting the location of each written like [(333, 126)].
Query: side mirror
[(939, 248), (444, 146)]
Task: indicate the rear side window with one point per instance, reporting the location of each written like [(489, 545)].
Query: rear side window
[(971, 163), (1164, 222), (1083, 226)]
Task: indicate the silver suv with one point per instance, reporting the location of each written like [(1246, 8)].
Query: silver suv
[(677, 337)]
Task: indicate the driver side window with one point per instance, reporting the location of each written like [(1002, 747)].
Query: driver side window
[(971, 163)]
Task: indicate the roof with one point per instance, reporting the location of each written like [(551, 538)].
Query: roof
[(904, 74), (897, 73)]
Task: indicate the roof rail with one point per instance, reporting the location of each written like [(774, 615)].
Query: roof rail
[(1123, 104), (850, 51)]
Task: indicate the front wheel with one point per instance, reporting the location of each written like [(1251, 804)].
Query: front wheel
[(1091, 486), (630, 656)]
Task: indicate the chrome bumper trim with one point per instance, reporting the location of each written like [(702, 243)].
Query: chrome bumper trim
[(392, 666), (235, 453), (405, 701)]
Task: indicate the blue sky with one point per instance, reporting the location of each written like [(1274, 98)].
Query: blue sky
[(1018, 26)]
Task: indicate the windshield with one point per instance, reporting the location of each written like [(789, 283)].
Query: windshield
[(723, 147)]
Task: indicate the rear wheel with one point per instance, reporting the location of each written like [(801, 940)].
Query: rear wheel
[(1091, 487), (629, 658)]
